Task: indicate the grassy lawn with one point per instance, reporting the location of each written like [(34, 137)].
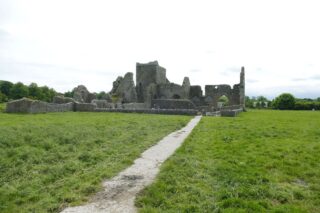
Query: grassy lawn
[(2, 107), (49, 161), (262, 161)]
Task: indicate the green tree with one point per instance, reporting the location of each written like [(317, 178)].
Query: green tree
[(261, 102), (68, 94), (34, 91), (284, 101), (19, 90), (258, 104), (5, 87), (248, 102), (101, 95), (47, 94), (254, 102), (262, 99), (224, 99), (3, 97), (52, 93)]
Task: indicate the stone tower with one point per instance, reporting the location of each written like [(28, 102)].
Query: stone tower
[(242, 87), (147, 77)]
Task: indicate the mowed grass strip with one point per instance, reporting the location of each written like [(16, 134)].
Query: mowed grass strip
[(262, 161), (49, 161)]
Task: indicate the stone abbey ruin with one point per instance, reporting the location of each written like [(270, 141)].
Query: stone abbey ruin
[(152, 93)]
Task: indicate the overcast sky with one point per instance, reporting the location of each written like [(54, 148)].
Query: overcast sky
[(64, 43)]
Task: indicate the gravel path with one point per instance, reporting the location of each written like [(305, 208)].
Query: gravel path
[(119, 193)]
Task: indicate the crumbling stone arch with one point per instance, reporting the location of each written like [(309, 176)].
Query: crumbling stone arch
[(217, 91), (223, 101)]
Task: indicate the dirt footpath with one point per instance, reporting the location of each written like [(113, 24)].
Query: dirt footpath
[(119, 192)]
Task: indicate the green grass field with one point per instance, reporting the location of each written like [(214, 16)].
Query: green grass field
[(49, 161), (2, 107), (261, 161)]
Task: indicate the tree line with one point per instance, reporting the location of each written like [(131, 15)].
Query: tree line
[(285, 101), (12, 91)]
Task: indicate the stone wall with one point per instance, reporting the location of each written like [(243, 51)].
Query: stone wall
[(172, 104), (125, 89), (232, 107), (236, 94), (116, 84), (26, 105), (179, 107), (236, 99), (147, 74), (153, 111), (214, 92), (102, 103), (19, 106), (134, 106), (82, 95), (67, 107), (195, 91), (153, 84), (153, 90), (196, 95), (62, 100), (84, 107), (38, 107), (171, 91), (230, 113)]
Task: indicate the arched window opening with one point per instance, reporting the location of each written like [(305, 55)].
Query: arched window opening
[(223, 101)]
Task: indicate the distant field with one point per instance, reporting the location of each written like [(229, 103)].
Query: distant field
[(48, 161), (262, 161)]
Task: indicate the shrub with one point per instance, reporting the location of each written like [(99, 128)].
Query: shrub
[(307, 105), (5, 87), (3, 98), (2, 107), (19, 90), (284, 101)]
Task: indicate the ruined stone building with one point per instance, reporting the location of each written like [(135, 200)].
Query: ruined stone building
[(156, 91), (152, 93)]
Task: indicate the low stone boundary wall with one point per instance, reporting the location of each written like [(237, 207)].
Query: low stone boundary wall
[(62, 100), (23, 105), (102, 103), (153, 111), (68, 107), (215, 114), (134, 106), (231, 113), (232, 107), (84, 107), (172, 104), (26, 105)]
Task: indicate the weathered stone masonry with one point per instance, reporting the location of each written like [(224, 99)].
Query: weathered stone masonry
[(153, 93), (152, 85)]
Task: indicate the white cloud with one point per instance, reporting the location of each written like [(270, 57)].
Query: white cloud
[(92, 42)]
